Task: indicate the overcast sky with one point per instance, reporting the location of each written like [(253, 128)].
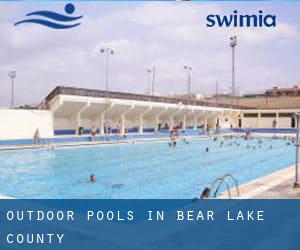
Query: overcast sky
[(167, 35)]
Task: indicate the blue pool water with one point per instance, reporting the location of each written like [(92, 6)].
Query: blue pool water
[(147, 170)]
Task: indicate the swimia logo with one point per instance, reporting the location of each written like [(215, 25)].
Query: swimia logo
[(242, 20), (52, 19)]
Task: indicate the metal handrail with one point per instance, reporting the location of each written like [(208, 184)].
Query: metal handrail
[(220, 181), (235, 182)]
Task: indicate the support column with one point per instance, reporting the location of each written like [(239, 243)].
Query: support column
[(77, 116), (205, 123), (171, 122), (195, 123), (101, 128), (123, 119), (242, 119), (78, 122), (277, 120), (258, 119), (184, 122), (156, 122), (141, 119), (141, 124)]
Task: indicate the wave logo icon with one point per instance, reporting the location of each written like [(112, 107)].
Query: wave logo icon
[(53, 20)]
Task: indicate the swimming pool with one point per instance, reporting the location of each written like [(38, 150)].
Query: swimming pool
[(147, 170)]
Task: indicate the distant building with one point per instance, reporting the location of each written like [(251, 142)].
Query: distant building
[(193, 96), (274, 92)]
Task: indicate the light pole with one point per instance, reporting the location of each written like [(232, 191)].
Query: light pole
[(153, 72), (188, 69), (107, 51), (297, 181), (217, 91), (149, 72), (12, 75), (233, 44)]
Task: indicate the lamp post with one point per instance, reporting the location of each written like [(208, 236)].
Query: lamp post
[(188, 69), (233, 44), (12, 75), (297, 181), (217, 91), (107, 51), (153, 72), (149, 72)]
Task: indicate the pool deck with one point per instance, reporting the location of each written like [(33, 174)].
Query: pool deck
[(277, 185), (130, 140), (98, 142)]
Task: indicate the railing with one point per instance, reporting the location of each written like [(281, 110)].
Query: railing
[(220, 182), (130, 96)]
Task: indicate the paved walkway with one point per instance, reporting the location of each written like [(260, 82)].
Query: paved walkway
[(278, 185)]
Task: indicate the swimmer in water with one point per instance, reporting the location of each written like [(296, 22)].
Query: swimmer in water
[(185, 141), (93, 178), (207, 149), (117, 185)]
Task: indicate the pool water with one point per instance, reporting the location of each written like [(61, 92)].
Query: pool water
[(146, 170)]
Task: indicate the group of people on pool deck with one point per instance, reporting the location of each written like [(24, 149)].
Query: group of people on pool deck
[(93, 179)]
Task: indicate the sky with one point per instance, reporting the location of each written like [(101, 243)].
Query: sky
[(144, 34)]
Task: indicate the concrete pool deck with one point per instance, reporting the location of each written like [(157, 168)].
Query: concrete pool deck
[(101, 142), (277, 185), (130, 140)]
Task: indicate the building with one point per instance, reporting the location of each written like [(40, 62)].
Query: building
[(71, 111), (74, 108), (275, 91)]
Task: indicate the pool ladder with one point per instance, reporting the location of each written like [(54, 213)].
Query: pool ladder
[(220, 181)]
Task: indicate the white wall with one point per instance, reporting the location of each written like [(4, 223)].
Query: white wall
[(249, 122), (284, 122), (64, 123), (22, 124)]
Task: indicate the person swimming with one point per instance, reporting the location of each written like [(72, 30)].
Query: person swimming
[(185, 141), (93, 178), (207, 149)]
